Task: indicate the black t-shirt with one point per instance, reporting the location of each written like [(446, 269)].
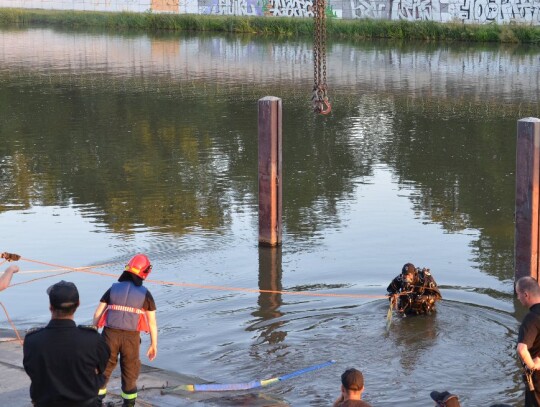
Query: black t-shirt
[(148, 305), (529, 331)]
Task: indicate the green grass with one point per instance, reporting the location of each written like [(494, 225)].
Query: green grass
[(279, 26)]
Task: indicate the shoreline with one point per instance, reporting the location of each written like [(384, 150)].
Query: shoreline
[(280, 27)]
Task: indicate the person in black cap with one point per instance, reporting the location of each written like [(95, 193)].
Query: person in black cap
[(65, 362), (352, 387), (414, 291), (445, 399)]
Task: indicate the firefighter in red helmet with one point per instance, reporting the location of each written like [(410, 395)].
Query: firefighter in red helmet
[(126, 309)]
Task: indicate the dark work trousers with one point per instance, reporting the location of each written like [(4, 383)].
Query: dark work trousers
[(125, 344), (532, 398)]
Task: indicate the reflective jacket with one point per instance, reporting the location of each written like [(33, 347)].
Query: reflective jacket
[(125, 309)]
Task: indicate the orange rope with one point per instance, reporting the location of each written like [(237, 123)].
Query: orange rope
[(40, 278), (12, 325), (63, 268), (88, 269), (208, 287), (252, 290)]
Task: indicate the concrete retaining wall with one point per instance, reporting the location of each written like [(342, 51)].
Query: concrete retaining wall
[(467, 11)]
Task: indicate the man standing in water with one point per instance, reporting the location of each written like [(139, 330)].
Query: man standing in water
[(528, 347), (414, 290), (126, 309)]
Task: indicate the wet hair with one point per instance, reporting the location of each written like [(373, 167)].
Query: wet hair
[(529, 285), (352, 379)]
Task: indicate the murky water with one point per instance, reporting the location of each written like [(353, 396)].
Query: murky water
[(114, 143)]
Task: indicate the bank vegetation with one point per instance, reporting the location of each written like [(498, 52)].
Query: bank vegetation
[(280, 26)]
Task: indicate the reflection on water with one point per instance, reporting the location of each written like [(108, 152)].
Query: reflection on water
[(270, 301), (113, 144)]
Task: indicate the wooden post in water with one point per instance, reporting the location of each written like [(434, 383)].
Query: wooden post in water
[(270, 171), (527, 198)]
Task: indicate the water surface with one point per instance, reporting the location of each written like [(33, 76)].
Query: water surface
[(117, 143)]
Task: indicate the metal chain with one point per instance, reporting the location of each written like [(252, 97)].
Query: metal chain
[(316, 43), (323, 41), (319, 97)]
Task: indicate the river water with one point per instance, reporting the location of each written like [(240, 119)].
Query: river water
[(114, 143)]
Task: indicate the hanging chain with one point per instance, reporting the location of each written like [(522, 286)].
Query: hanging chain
[(319, 98)]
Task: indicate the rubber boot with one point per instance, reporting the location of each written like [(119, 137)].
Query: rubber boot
[(100, 400), (129, 403)]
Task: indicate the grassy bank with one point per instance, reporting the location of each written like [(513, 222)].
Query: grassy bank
[(290, 27)]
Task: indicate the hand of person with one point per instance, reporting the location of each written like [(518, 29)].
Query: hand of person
[(536, 362), (152, 352), (13, 268)]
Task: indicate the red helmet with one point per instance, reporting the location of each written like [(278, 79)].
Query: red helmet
[(139, 265)]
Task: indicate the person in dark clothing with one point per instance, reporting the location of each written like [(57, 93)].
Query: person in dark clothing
[(445, 399), (414, 291), (528, 347), (352, 387), (126, 309), (65, 362)]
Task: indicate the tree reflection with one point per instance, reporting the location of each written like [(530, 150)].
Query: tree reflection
[(179, 155), (463, 170)]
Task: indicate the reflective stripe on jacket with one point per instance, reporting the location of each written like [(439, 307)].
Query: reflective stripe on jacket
[(125, 309)]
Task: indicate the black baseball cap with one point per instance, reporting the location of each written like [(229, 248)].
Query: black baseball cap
[(63, 294)]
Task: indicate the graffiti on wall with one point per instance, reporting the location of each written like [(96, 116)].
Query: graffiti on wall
[(415, 10), (375, 9), (289, 8), (466, 11), (500, 11), (231, 7), (473, 11), (275, 8)]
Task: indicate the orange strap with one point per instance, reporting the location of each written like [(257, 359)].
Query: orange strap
[(115, 307)]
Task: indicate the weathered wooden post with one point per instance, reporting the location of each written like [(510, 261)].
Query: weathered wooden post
[(527, 198), (270, 171)]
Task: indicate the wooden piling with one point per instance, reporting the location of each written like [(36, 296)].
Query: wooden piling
[(270, 171), (527, 198)]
